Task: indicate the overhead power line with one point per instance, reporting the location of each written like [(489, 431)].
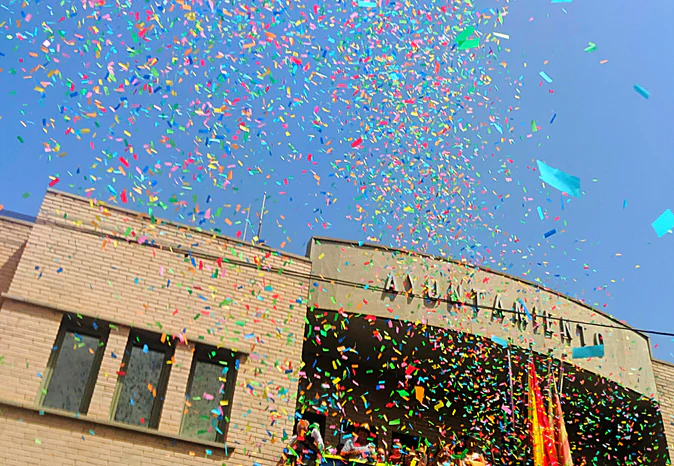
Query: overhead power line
[(212, 257)]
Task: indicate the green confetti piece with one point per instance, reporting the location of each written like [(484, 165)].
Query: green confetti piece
[(591, 47), (469, 44)]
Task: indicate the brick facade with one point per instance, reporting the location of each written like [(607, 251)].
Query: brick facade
[(127, 269), (664, 379), (13, 237), (124, 268)]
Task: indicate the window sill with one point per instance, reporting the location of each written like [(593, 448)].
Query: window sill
[(219, 447)]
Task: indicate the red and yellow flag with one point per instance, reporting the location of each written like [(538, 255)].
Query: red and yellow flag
[(542, 436), (561, 437)]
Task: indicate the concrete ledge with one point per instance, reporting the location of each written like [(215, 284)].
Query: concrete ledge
[(145, 436), (191, 229), (6, 218), (665, 363)]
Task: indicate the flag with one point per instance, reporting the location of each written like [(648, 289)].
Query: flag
[(561, 437), (549, 432), (534, 425), (542, 439)]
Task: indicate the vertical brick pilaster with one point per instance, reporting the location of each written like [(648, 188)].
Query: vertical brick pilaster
[(174, 402), (27, 335), (664, 381), (107, 375)]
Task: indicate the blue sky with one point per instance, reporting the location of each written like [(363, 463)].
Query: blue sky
[(294, 134)]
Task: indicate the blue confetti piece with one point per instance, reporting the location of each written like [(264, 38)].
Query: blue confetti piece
[(145, 349), (558, 179), (526, 310), (366, 4), (499, 341), (625, 204), (545, 76), (540, 212), (553, 118), (644, 93), (588, 352), (664, 223), (550, 233)]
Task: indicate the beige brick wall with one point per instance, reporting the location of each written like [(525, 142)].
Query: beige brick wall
[(86, 258), (101, 400), (27, 335), (13, 237), (26, 438), (664, 380), (174, 403)]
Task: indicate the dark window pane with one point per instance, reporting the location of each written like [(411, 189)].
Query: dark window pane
[(139, 386), (207, 389), (71, 372)]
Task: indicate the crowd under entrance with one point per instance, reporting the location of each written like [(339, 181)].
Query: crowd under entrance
[(423, 385)]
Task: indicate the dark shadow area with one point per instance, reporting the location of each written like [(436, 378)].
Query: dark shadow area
[(420, 381), (8, 269)]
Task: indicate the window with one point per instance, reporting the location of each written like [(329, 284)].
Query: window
[(408, 440), (143, 378), (73, 364), (209, 393), (314, 418)]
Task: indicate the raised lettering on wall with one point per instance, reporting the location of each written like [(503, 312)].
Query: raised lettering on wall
[(519, 317), (432, 290), (478, 301), (497, 310), (565, 331), (391, 286)]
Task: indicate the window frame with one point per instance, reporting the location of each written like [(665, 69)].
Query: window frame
[(82, 325), (314, 417), (200, 354), (153, 342)]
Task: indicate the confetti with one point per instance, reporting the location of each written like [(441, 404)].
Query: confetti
[(550, 233), (643, 92), (545, 76), (664, 223), (558, 179), (584, 352), (591, 47)]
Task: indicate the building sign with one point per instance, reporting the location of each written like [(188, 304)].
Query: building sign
[(517, 316), (453, 295)]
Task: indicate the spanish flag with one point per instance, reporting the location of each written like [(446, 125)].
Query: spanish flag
[(559, 427), (542, 437)]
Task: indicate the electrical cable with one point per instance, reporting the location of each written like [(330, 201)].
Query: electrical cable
[(281, 270)]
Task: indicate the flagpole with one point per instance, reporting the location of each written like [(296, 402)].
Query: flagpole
[(245, 230), (259, 227), (561, 377), (513, 427), (512, 391), (549, 362)]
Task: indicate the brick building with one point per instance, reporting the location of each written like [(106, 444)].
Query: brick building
[(125, 339), (421, 347)]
